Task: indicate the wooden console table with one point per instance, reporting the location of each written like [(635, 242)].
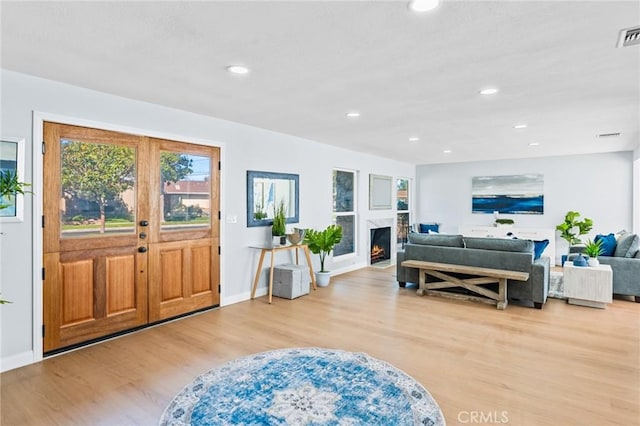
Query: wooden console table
[(273, 250), (480, 276)]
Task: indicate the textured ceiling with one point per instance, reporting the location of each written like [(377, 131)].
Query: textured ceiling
[(555, 64)]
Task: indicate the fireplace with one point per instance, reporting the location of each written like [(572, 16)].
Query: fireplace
[(380, 244)]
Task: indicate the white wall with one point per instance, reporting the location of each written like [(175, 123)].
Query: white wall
[(243, 148), (636, 191), (599, 186)]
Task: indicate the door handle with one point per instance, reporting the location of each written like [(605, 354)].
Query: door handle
[(142, 249), (144, 223)]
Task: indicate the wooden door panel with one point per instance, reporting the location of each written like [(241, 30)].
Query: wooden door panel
[(120, 284), (181, 278), (76, 281), (98, 293), (171, 279), (200, 266)]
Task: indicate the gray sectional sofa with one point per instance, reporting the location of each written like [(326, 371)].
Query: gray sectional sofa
[(625, 265), (496, 253)]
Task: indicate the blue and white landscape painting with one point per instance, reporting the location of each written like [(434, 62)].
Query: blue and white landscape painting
[(515, 194)]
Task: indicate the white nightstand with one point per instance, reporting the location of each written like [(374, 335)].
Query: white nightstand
[(588, 286)]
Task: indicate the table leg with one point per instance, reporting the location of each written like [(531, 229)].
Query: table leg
[(313, 277), (257, 278), (271, 277), (422, 282), (502, 293), (297, 263)]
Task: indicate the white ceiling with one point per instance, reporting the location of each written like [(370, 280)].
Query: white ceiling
[(555, 63)]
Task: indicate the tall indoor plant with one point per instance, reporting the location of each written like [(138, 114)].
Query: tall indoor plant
[(573, 227), (322, 243)]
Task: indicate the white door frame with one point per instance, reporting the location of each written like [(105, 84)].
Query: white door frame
[(37, 185)]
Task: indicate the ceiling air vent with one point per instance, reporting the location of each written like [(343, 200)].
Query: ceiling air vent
[(628, 37), (609, 135)]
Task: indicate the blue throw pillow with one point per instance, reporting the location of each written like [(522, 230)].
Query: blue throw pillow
[(608, 244), (426, 227), (538, 248)]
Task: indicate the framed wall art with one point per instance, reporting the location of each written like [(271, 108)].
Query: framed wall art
[(380, 192), (513, 194)]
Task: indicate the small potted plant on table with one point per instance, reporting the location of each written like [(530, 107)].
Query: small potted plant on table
[(322, 243), (593, 249), (278, 228)]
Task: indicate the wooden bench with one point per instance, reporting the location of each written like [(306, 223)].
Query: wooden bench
[(480, 276)]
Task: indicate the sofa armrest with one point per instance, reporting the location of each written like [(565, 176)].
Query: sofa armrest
[(539, 278), (626, 271)]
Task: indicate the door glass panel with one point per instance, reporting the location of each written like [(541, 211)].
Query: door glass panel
[(98, 187), (185, 193)]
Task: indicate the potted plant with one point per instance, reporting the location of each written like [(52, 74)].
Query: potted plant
[(10, 186), (279, 226), (322, 243), (504, 222), (593, 249), (573, 227)]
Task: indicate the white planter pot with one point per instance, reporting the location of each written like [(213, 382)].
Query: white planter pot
[(593, 262), (322, 278)]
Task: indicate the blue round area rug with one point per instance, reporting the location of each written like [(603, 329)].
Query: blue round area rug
[(305, 386)]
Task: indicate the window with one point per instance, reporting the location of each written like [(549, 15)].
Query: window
[(402, 197), (344, 210)]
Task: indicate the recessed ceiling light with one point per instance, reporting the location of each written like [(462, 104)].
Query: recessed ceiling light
[(353, 114), (447, 151), (534, 144), (423, 5), (414, 139), (489, 91), (238, 69), (520, 126)]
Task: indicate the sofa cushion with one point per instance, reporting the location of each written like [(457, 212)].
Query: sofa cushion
[(427, 228), (628, 245), (538, 248), (608, 244), (436, 240), (499, 244)]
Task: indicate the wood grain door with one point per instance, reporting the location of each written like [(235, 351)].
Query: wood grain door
[(184, 273), (130, 232)]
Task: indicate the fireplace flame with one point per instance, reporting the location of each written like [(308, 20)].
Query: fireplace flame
[(377, 252)]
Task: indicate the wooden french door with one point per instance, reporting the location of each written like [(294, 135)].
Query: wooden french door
[(130, 232)]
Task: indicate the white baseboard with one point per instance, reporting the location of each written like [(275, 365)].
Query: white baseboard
[(349, 268), (15, 361), (237, 298), (262, 291)]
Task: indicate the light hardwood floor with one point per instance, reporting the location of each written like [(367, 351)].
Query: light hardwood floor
[(562, 365)]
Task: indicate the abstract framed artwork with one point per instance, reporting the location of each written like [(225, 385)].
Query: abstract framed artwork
[(511, 194), (12, 160)]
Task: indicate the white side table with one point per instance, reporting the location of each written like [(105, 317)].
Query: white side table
[(588, 286)]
